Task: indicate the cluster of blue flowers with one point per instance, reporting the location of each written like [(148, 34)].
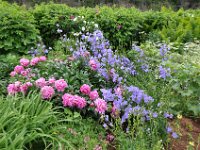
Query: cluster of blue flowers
[(127, 100), (164, 72)]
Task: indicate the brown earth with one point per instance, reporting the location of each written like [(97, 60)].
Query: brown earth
[(189, 130)]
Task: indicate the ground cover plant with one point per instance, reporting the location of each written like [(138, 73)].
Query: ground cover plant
[(95, 80)]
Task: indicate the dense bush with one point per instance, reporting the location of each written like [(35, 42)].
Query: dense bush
[(121, 25), (17, 29)]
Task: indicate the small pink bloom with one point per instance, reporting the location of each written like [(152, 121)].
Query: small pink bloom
[(42, 58), (24, 73), (19, 69), (47, 92), (13, 73), (79, 102), (51, 80), (29, 84), (92, 105), (93, 64), (17, 84), (110, 137), (40, 82), (24, 88), (94, 95), (85, 89), (67, 100), (101, 105), (24, 62), (60, 85), (12, 89), (35, 61)]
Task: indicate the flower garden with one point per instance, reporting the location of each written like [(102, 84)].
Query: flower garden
[(99, 78)]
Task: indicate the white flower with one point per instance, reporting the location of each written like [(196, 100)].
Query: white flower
[(59, 31), (84, 22), (82, 17), (83, 28), (75, 19), (96, 25), (76, 34)]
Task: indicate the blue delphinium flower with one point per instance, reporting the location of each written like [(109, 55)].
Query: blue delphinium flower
[(164, 72), (174, 135), (169, 129)]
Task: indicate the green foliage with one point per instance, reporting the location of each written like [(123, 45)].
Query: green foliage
[(17, 29), (47, 16), (186, 80), (29, 123), (7, 63)]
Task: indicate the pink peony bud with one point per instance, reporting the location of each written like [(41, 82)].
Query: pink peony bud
[(35, 61), (42, 58), (68, 100), (52, 80), (24, 62), (60, 85), (40, 82), (79, 102), (24, 88), (94, 95), (12, 89), (19, 69), (24, 73), (13, 73), (93, 64), (47, 92), (85, 89), (101, 105)]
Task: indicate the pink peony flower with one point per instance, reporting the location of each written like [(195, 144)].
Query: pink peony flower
[(13, 73), (12, 89), (40, 82), (35, 61), (24, 73), (24, 88), (85, 89), (101, 105), (47, 92), (52, 80), (19, 69), (29, 84), (79, 102), (94, 95), (42, 58), (60, 85), (24, 62), (93, 64), (67, 100), (17, 84)]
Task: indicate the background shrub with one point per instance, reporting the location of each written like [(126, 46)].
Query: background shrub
[(17, 29)]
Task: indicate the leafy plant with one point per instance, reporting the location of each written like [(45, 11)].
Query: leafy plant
[(17, 29)]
